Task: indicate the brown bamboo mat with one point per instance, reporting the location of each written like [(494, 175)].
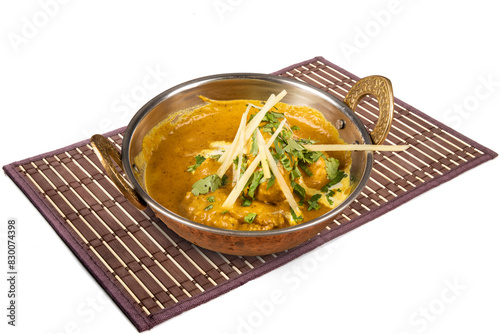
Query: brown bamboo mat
[(153, 275)]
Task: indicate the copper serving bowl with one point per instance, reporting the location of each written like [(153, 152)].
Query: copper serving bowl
[(250, 87)]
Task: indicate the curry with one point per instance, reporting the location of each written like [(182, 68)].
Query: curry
[(210, 165)]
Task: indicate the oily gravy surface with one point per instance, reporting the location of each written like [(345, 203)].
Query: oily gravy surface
[(183, 157)]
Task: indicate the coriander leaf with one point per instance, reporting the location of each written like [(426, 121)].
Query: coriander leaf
[(332, 167), (305, 168), (329, 195), (340, 175), (245, 201), (250, 217), (224, 180), (278, 148), (211, 199), (254, 182), (287, 164), (307, 141), (311, 157), (216, 157), (298, 190), (225, 211), (199, 160), (255, 146), (209, 207), (295, 128), (269, 127), (208, 184), (293, 146), (295, 173), (313, 202), (270, 181), (295, 217)]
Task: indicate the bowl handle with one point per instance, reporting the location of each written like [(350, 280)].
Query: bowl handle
[(107, 152), (381, 88)]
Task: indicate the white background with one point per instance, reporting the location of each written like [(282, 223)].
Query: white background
[(66, 68)]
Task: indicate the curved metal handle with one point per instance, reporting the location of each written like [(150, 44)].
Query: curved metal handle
[(381, 88), (107, 152)]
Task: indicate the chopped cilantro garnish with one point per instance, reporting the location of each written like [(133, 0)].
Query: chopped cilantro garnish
[(332, 167), (305, 168), (250, 217), (270, 181), (255, 146), (216, 157), (211, 199), (225, 211), (199, 160), (254, 182), (295, 173), (311, 157), (287, 164), (269, 127), (340, 175), (295, 128), (244, 163), (293, 147), (278, 148), (295, 217), (298, 190), (209, 207), (245, 201), (313, 202), (208, 184)]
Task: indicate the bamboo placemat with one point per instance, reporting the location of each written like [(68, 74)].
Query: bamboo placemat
[(153, 275)]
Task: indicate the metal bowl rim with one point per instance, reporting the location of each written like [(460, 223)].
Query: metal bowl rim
[(143, 111)]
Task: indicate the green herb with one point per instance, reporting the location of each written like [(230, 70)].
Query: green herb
[(224, 179), (211, 199), (250, 217), (332, 167), (340, 175), (295, 217), (270, 181), (269, 127), (298, 190), (311, 157), (287, 164), (329, 195), (255, 146), (305, 141), (244, 163), (279, 148), (313, 202), (245, 201), (216, 157), (305, 168), (295, 128), (209, 207), (295, 173), (254, 182), (293, 147), (225, 211), (199, 160), (208, 184)]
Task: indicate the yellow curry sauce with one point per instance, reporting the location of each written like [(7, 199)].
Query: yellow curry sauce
[(185, 149)]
